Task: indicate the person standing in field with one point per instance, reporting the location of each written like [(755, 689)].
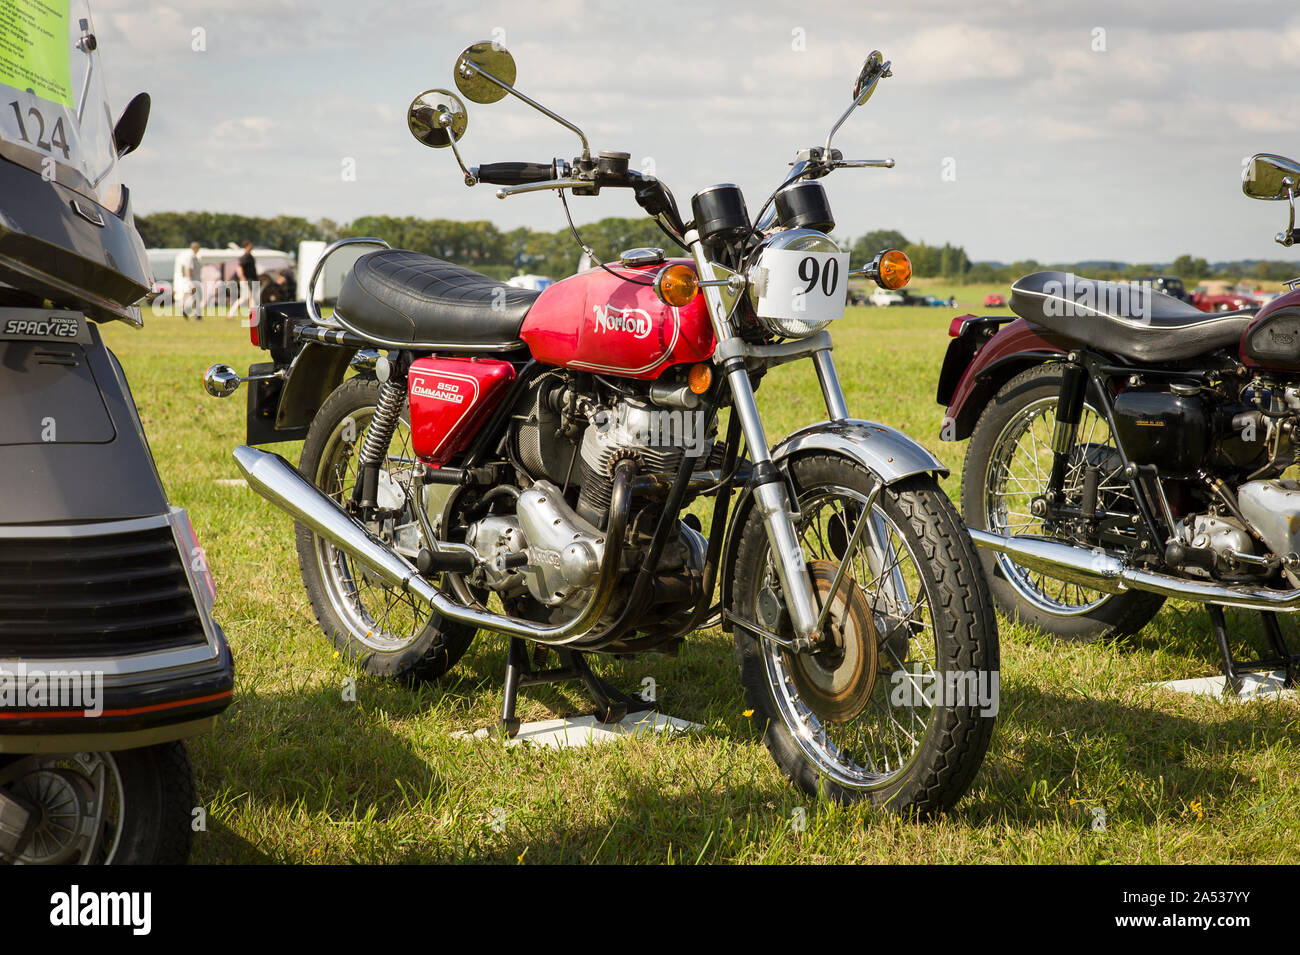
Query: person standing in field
[(247, 278), (187, 283)]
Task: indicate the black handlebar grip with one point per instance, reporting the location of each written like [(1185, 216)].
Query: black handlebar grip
[(515, 173)]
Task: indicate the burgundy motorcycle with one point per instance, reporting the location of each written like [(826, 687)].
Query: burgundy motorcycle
[(1127, 447), (541, 449)]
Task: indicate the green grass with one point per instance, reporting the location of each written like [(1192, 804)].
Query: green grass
[(295, 774)]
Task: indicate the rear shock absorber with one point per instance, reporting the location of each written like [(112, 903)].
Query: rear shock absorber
[(379, 434), (1069, 408)]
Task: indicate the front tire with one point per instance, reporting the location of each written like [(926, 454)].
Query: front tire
[(385, 631), (1006, 465), (875, 736), (130, 807)]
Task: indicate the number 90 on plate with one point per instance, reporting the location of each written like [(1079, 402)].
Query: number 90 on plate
[(811, 286)]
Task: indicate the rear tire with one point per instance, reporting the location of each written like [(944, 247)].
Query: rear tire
[(386, 632), (1092, 615)]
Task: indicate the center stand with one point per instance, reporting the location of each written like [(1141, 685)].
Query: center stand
[(611, 705), (1233, 669)]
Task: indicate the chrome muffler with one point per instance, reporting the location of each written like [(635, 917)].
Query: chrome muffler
[(279, 482), (1103, 572)]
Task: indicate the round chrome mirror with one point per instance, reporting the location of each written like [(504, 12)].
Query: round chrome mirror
[(221, 381), (437, 118), (1271, 177), (869, 70), (484, 58)]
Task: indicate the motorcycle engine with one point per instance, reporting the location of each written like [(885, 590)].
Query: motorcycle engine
[(544, 548), (550, 550), (656, 438), (1273, 509)]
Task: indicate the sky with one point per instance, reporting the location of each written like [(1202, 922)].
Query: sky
[(1051, 131)]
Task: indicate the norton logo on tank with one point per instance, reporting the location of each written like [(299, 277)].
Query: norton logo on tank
[(634, 321), (441, 390)]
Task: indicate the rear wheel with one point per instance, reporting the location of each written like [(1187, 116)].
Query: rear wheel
[(385, 630), (867, 717), (1007, 467)]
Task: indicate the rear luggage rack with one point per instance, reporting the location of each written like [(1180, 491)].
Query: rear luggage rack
[(125, 591)]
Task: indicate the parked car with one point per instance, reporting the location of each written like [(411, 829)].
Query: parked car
[(1170, 285), (1224, 302), (884, 297), (994, 301)]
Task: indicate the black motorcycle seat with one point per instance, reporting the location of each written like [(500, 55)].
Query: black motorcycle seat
[(1124, 319), (409, 299)]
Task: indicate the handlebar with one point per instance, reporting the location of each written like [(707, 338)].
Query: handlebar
[(515, 173)]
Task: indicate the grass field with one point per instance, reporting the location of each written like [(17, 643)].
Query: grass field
[(296, 774)]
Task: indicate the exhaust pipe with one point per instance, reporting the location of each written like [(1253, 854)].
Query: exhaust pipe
[(1102, 572), (279, 482)]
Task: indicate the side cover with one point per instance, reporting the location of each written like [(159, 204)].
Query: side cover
[(450, 398)]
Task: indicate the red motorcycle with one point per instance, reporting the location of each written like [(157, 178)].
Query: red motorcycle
[(543, 447), (1126, 447)]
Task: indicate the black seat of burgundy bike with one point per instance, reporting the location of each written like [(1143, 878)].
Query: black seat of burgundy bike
[(407, 298), (1124, 319)]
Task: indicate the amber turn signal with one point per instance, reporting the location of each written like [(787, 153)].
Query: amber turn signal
[(892, 269), (676, 285), (699, 378)]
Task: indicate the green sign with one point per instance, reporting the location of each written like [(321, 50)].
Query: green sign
[(34, 48)]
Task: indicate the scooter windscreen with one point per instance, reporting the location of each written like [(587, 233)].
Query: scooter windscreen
[(66, 229)]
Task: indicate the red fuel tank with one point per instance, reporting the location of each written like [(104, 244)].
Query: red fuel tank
[(1272, 339), (450, 398), (594, 321)]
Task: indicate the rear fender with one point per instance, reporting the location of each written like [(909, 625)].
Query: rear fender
[(1015, 347), (283, 409), (889, 455)]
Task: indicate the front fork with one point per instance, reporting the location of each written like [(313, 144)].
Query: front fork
[(770, 488)]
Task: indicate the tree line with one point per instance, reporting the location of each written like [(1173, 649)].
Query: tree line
[(483, 246)]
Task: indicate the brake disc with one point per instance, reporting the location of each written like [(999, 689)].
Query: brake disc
[(837, 680)]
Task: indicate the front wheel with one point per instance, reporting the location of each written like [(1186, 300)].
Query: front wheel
[(131, 807), (899, 707)]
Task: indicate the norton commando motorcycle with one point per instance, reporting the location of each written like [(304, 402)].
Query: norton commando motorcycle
[(1126, 448), (109, 655), (541, 449)]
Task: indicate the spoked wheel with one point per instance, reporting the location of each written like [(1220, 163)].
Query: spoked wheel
[(868, 715), (384, 629), (102, 808), (1007, 468)]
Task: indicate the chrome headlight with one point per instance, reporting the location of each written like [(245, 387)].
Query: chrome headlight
[(798, 283)]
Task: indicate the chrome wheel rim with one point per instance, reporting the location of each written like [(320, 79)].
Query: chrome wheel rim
[(1018, 471), (380, 618), (874, 748)]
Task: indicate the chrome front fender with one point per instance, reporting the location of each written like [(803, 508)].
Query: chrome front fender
[(887, 453)]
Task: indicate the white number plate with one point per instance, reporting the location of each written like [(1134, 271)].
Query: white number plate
[(810, 286)]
